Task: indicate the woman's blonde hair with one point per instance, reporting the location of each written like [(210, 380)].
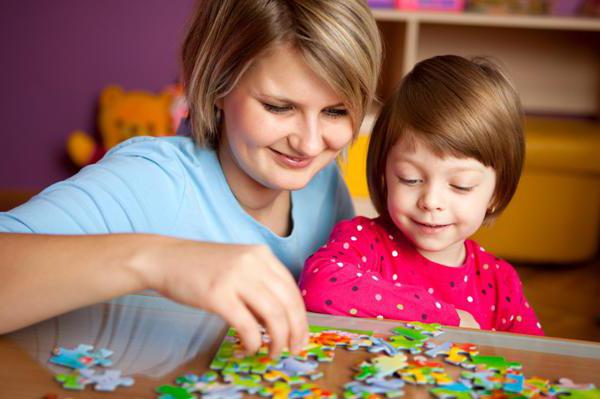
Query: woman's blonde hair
[(339, 39), (457, 107)]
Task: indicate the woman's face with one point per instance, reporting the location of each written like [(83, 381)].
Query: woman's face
[(282, 123)]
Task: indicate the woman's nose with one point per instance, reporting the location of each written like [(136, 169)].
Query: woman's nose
[(308, 139)]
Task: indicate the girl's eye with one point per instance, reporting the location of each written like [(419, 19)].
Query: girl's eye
[(462, 188), (336, 112), (409, 182), (276, 109)]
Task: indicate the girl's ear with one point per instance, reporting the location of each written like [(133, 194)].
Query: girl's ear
[(219, 103)]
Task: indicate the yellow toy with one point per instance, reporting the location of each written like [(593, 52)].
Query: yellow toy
[(122, 115)]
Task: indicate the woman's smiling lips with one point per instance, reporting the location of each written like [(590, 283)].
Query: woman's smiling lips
[(290, 161)]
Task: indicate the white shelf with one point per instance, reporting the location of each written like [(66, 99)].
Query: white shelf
[(475, 19)]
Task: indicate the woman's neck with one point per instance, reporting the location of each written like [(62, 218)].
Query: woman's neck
[(271, 208)]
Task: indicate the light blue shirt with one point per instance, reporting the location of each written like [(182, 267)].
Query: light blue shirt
[(172, 187)]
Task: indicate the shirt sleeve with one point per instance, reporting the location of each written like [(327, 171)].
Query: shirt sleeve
[(345, 278), (137, 187), (515, 314)]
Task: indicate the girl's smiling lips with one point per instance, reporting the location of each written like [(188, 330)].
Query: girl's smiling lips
[(430, 228), (289, 161)]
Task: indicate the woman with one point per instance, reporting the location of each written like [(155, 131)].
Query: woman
[(221, 220)]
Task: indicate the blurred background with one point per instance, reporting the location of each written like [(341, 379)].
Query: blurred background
[(60, 58)]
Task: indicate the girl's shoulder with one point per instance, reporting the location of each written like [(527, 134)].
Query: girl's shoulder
[(486, 262)]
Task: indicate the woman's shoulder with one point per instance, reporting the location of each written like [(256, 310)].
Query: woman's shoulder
[(156, 148)]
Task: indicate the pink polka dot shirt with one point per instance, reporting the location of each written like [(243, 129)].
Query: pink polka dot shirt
[(368, 269)]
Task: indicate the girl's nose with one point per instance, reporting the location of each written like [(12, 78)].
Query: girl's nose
[(431, 199)]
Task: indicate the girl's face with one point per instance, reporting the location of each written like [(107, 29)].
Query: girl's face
[(282, 124), (436, 202)]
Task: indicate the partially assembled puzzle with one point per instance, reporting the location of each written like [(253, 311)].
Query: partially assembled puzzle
[(410, 355)]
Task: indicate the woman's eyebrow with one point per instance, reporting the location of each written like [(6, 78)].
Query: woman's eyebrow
[(291, 102)]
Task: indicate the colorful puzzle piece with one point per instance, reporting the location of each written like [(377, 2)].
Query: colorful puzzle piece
[(108, 381), (391, 388), (72, 381), (81, 357)]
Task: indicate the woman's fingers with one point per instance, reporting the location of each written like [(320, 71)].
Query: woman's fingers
[(266, 307), (236, 313)]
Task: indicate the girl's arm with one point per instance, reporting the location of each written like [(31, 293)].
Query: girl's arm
[(45, 275), (515, 314), (345, 278)]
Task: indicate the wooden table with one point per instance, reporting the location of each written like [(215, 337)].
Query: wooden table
[(155, 341)]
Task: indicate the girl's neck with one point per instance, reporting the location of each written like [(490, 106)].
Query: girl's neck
[(269, 207), (453, 256)]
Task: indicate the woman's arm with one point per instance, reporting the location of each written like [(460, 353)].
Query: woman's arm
[(45, 275)]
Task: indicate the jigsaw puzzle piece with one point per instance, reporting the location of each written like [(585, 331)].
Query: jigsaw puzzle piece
[(107, 381), (81, 357), (73, 381)]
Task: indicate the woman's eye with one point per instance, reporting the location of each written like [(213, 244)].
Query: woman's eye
[(276, 109), (462, 188), (336, 112)]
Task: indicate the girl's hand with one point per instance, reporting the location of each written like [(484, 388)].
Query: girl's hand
[(245, 284), (467, 320)]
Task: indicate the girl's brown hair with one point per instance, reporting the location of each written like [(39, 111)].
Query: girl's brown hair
[(339, 39), (458, 107)]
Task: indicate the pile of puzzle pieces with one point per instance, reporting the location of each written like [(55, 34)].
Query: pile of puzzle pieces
[(410, 355), (81, 361)]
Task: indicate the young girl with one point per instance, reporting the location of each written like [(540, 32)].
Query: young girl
[(221, 219), (445, 156)]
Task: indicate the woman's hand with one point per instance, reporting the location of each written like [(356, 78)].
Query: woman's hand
[(467, 320), (245, 284)]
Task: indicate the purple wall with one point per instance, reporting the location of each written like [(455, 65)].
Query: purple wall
[(55, 58)]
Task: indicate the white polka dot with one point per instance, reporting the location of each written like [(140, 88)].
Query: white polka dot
[(364, 259), (359, 227), (375, 278), (469, 299), (497, 266), (394, 277), (378, 297), (503, 321), (526, 304), (493, 308), (538, 325), (430, 290), (438, 305), (316, 270), (486, 266), (472, 255), (332, 260), (519, 318), (394, 253), (493, 329), (324, 246), (303, 292), (353, 238), (346, 245), (512, 317), (358, 274), (391, 237), (380, 317), (340, 264), (353, 311), (466, 278), (482, 249), (398, 285)]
